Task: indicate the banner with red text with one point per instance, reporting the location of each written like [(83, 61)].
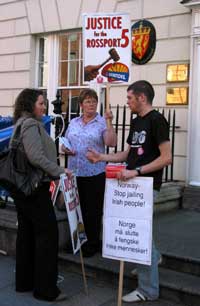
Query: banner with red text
[(71, 198), (106, 47)]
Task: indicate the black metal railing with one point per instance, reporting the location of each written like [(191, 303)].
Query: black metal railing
[(122, 125)]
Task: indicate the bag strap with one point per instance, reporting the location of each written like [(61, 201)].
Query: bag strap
[(16, 140)]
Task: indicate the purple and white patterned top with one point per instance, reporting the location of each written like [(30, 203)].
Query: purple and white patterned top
[(82, 137)]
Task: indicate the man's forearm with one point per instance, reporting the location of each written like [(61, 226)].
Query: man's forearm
[(162, 161), (157, 164), (114, 157)]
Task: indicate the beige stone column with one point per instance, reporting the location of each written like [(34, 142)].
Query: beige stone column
[(193, 163)]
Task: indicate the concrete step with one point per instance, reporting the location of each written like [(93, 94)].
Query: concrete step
[(180, 287), (191, 198), (182, 264), (8, 229), (176, 235), (168, 201), (169, 197), (176, 286)]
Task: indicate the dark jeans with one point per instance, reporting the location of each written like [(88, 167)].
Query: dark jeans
[(37, 245), (91, 192)]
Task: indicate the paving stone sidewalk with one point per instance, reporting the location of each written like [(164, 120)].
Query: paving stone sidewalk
[(100, 293)]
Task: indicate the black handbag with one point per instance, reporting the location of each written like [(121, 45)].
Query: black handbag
[(17, 175)]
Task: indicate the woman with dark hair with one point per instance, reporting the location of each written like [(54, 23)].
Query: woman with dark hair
[(90, 131), (37, 236)]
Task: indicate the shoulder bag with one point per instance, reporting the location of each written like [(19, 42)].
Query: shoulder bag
[(17, 174)]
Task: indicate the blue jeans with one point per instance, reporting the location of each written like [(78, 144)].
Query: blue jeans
[(148, 276)]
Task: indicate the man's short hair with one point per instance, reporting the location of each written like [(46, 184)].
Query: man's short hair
[(143, 87)]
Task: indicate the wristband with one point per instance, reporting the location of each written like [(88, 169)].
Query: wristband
[(138, 169)]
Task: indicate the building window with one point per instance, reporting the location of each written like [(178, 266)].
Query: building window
[(70, 107), (70, 72), (178, 73), (42, 62), (70, 59), (59, 67), (177, 81), (177, 95)]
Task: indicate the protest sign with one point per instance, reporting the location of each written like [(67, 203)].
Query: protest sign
[(71, 197), (54, 188), (106, 47), (128, 210)]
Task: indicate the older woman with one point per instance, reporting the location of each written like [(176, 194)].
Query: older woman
[(85, 132), (37, 236)]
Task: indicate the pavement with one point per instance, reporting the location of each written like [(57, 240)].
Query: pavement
[(101, 293), (176, 233)]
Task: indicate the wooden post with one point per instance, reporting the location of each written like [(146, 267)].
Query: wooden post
[(83, 272), (108, 102), (120, 288)]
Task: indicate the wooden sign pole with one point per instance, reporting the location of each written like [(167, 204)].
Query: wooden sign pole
[(83, 272), (120, 288)]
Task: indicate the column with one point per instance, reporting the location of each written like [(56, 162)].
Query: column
[(194, 116)]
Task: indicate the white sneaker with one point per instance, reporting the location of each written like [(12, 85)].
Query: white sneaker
[(134, 296), (134, 271)]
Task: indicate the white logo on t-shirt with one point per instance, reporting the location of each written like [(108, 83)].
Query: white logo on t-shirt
[(139, 137)]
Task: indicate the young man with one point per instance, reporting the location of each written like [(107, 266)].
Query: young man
[(147, 154)]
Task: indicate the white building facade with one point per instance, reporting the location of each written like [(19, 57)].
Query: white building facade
[(41, 46)]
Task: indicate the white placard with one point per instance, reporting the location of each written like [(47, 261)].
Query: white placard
[(101, 33), (127, 226), (125, 198), (71, 197)]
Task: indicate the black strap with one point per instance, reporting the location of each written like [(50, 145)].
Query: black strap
[(16, 139), (15, 142)]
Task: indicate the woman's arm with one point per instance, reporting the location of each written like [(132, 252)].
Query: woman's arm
[(33, 147), (110, 137)]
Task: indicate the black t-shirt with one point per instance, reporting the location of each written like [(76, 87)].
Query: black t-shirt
[(145, 136)]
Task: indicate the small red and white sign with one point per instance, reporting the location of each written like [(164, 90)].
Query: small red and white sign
[(54, 188)]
